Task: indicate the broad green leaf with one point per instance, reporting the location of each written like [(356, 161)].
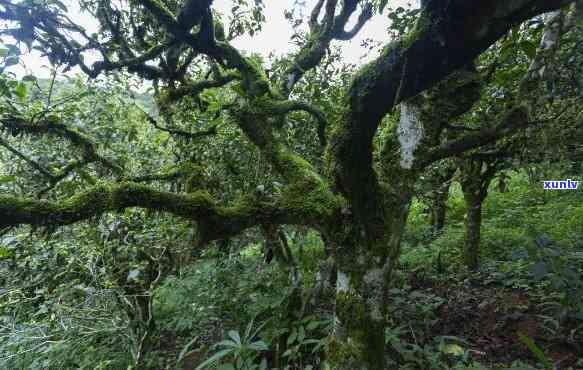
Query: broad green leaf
[(452, 349), (5, 253), (20, 90), (536, 351), (186, 348), (312, 325), (227, 343), (235, 336), (259, 346), (5, 179), (214, 358), (539, 270), (301, 334), (292, 338)]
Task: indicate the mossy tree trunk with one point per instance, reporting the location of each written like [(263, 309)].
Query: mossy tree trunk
[(439, 209), (435, 185), (367, 249), (473, 225), (476, 175), (362, 282)]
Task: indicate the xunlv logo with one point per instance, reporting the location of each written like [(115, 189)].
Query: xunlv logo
[(561, 185)]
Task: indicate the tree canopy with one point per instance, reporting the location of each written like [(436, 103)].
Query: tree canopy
[(171, 119)]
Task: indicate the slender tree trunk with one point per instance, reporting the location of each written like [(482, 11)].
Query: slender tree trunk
[(476, 177), (438, 209), (473, 227)]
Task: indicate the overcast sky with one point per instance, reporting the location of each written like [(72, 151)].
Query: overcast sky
[(275, 36)]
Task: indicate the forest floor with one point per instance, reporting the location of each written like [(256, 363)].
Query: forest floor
[(489, 318)]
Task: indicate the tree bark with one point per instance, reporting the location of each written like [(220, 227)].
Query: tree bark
[(362, 281), (475, 179), (439, 208), (473, 225)]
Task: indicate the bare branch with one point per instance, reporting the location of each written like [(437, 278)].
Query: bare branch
[(365, 15), (313, 23), (181, 133), (28, 160), (16, 125), (53, 178), (513, 120), (196, 88)]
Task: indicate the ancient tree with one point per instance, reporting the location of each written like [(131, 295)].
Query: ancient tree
[(358, 201)]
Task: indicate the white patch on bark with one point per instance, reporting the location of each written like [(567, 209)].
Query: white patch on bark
[(410, 133), (291, 80), (342, 282)]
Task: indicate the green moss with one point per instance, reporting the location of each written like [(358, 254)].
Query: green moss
[(341, 354), (313, 200), (350, 310), (421, 27), (246, 206), (196, 179), (349, 352)]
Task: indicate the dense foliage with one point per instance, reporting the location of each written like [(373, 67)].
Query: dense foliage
[(181, 204)]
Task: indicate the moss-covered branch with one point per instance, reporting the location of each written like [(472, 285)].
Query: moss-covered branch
[(135, 64), (557, 24), (253, 112), (302, 206)]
